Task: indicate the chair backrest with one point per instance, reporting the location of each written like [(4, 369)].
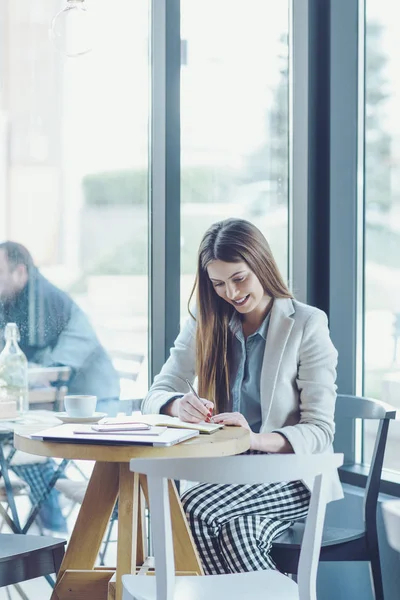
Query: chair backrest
[(127, 364), (48, 385), (243, 470), (359, 407)]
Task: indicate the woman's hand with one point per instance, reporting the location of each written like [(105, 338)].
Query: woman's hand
[(263, 442), (236, 419), (231, 418), (190, 409)]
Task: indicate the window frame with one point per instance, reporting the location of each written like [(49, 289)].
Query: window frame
[(164, 182), (347, 207), (326, 197), (343, 45)]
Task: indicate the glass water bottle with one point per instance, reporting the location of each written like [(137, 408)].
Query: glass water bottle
[(13, 375)]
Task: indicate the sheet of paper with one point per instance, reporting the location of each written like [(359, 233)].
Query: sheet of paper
[(88, 430), (166, 421)]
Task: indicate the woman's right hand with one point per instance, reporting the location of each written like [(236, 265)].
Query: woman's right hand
[(190, 409)]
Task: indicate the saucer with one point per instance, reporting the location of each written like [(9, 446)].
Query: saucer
[(95, 418)]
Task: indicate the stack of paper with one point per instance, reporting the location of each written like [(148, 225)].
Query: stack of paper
[(72, 433), (157, 420)]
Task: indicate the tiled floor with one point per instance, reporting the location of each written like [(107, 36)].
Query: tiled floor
[(39, 589)]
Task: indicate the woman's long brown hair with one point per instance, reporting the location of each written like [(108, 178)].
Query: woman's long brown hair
[(232, 240)]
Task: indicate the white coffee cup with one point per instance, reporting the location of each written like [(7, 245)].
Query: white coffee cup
[(80, 405)]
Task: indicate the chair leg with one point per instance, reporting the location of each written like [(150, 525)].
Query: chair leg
[(74, 464), (376, 576), (58, 555), (50, 581), (141, 546), (102, 554), (6, 519), (20, 591)]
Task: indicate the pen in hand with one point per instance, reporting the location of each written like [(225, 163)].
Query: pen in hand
[(208, 418)]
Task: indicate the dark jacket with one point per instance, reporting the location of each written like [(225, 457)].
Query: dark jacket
[(55, 331)]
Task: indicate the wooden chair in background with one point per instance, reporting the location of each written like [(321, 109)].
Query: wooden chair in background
[(47, 387), (24, 557), (127, 365), (338, 543)]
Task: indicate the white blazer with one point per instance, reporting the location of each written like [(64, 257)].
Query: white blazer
[(297, 387)]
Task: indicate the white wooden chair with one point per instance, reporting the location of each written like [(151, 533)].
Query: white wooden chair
[(391, 518), (265, 584)]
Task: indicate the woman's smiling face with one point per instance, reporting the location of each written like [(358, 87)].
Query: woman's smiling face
[(238, 285)]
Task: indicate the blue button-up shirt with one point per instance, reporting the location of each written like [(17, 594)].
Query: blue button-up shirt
[(245, 374)]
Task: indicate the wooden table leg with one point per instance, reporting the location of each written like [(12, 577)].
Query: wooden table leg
[(128, 516), (90, 526), (185, 552), (138, 531), (141, 544)]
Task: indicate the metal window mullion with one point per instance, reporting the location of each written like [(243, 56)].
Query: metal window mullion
[(299, 152), (360, 229), (325, 161), (164, 182), (345, 205), (309, 158)]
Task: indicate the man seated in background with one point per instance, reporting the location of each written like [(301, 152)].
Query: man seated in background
[(54, 331)]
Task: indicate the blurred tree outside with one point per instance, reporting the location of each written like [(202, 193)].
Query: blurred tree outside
[(118, 200), (382, 240), (112, 188), (378, 193), (270, 160), (266, 171), (207, 183), (129, 187)]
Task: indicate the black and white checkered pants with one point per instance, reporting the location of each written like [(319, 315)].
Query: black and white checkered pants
[(234, 525)]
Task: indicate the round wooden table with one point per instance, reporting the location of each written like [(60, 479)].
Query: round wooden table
[(112, 479)]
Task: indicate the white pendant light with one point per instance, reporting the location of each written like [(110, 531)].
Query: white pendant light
[(71, 29)]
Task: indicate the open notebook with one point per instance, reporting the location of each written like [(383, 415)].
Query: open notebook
[(73, 433), (158, 420)]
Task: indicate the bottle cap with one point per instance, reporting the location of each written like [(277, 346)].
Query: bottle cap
[(12, 330)]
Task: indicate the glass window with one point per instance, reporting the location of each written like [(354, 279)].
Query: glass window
[(234, 123), (73, 190), (382, 218)]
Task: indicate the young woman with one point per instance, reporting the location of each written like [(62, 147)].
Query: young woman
[(264, 362)]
